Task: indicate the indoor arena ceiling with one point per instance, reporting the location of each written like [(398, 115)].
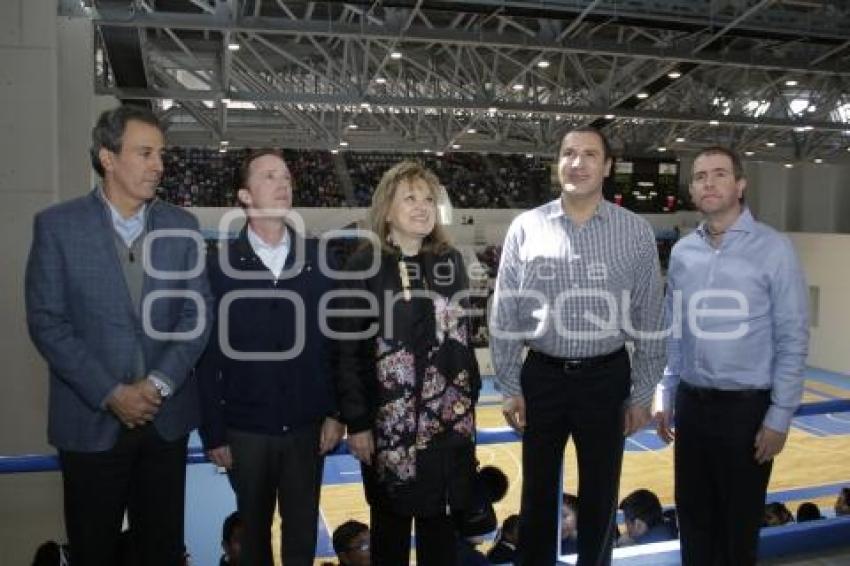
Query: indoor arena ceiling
[(767, 76)]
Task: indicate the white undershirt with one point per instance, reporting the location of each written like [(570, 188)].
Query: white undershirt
[(272, 256)]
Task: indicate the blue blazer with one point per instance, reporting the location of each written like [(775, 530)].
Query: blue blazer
[(82, 320)]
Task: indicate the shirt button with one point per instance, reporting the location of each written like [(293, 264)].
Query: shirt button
[(285, 428)]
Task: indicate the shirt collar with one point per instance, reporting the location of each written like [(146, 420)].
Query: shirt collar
[(555, 209), (117, 217), (744, 223), (259, 244)]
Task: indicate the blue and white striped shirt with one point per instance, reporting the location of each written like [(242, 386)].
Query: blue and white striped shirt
[(578, 291)]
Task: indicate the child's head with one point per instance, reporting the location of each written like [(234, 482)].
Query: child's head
[(641, 511), (842, 504), (776, 514), (231, 538), (351, 543)]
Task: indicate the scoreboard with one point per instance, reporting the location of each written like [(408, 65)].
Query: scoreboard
[(645, 185)]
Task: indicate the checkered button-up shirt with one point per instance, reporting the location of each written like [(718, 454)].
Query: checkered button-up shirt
[(578, 291)]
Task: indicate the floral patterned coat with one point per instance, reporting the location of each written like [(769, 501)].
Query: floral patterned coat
[(413, 381)]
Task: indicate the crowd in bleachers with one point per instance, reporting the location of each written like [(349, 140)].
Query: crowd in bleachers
[(526, 179), (465, 176), (199, 177), (316, 182), (207, 177)]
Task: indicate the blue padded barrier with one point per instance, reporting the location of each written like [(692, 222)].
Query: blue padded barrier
[(50, 462)]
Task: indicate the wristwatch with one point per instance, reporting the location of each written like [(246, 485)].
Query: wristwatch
[(161, 386)]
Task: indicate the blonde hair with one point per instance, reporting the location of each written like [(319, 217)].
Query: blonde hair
[(437, 241)]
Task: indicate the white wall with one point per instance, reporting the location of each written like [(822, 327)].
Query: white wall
[(489, 225), (807, 198), (825, 261), (45, 91)]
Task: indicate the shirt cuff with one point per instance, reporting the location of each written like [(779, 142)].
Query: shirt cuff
[(161, 383), (666, 397), (509, 388), (778, 418), (642, 397)]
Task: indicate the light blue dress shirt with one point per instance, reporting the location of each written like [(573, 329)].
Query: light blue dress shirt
[(744, 320), (128, 228)]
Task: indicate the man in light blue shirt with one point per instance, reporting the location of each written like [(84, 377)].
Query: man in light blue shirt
[(738, 305)]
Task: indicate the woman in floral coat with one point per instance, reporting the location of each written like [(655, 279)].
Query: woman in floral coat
[(407, 385)]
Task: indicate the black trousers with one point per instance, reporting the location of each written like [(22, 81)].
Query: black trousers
[(587, 405), (143, 474), (436, 542), (284, 470), (720, 488)]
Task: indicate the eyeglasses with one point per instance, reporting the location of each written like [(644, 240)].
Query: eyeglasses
[(362, 547)]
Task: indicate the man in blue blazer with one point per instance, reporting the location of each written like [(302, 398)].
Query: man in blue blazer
[(267, 395), (117, 303)]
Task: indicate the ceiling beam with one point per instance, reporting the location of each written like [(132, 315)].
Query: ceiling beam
[(506, 40), (481, 105)]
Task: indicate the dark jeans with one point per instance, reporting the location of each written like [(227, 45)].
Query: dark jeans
[(286, 470), (143, 474), (720, 488), (587, 405), (436, 542)]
